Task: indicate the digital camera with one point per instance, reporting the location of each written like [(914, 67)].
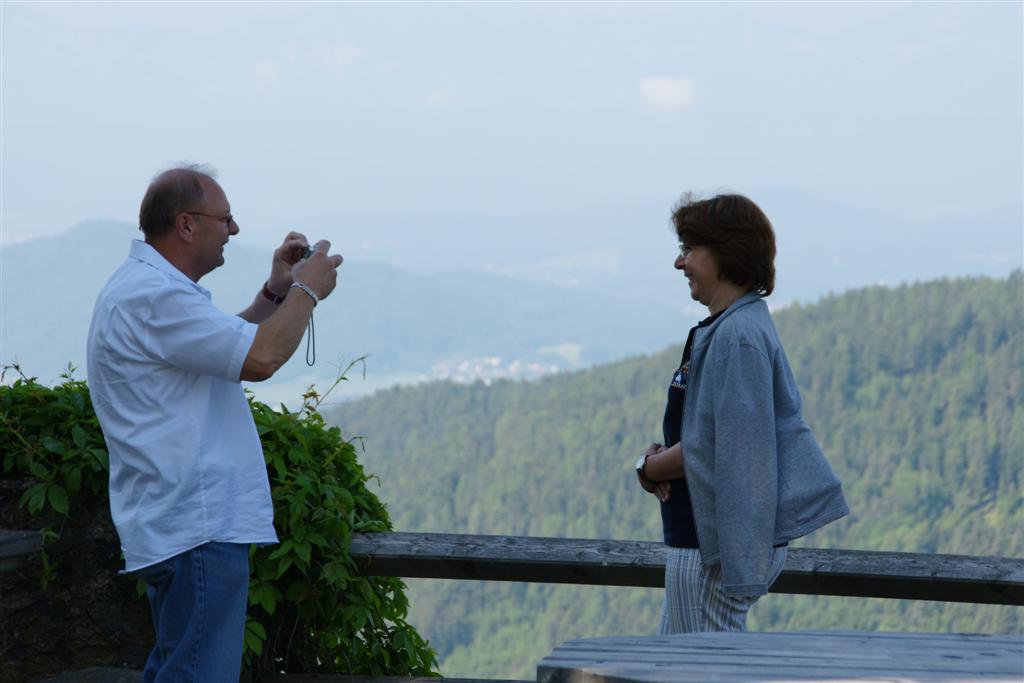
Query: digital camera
[(310, 249)]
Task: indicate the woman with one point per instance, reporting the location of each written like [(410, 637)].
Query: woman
[(740, 473)]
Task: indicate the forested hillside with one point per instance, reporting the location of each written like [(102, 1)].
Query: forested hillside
[(914, 392)]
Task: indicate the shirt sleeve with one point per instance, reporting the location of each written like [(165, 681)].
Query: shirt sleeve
[(746, 467), (184, 329)]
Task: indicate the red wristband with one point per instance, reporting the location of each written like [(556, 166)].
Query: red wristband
[(270, 295)]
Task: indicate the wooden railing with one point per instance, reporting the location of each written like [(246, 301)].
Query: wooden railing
[(859, 573), (955, 578), (808, 571)]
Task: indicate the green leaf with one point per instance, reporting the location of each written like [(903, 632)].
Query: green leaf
[(102, 457), (282, 550), (79, 436), (256, 628), (266, 596), (73, 479), (33, 497), (255, 634), (303, 551), (58, 497), (53, 445), (346, 498), (39, 470)]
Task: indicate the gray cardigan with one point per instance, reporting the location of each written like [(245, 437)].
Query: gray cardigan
[(756, 475)]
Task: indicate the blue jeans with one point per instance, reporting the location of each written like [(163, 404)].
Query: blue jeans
[(198, 601)]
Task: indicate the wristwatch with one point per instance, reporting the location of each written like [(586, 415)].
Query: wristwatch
[(640, 466)]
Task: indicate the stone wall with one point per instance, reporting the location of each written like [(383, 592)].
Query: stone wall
[(87, 616)]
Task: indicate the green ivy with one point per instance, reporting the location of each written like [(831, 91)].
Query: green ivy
[(310, 610)]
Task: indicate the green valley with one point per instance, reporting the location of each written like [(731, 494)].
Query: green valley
[(914, 392)]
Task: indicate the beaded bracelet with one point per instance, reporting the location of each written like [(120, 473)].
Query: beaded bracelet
[(305, 288)]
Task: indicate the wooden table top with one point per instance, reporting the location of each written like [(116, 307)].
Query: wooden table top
[(787, 656)]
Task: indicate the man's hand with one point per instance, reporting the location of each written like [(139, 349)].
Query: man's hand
[(319, 271), (285, 256), (280, 332)]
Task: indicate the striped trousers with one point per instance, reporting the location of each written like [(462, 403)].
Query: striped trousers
[(694, 600)]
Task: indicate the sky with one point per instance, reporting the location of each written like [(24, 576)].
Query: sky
[(471, 134), (476, 134)]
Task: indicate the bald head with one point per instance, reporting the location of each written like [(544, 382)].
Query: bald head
[(171, 193)]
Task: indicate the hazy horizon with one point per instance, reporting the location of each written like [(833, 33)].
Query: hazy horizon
[(546, 142)]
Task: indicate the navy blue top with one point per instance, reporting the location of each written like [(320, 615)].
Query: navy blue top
[(676, 513)]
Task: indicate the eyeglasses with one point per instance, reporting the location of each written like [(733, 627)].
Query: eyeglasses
[(227, 220), (684, 250)]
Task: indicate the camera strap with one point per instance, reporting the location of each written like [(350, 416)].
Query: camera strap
[(311, 342), (311, 335)]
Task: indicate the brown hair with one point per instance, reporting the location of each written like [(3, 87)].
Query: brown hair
[(736, 232), (171, 192)]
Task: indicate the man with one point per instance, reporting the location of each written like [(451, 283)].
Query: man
[(188, 485)]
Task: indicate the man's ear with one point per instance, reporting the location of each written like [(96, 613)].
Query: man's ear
[(183, 227)]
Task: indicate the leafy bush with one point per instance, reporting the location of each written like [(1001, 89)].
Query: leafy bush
[(309, 608)]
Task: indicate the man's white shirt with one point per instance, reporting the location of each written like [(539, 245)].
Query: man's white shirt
[(186, 464)]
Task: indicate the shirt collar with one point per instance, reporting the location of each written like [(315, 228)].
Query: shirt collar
[(145, 252), (710, 319)]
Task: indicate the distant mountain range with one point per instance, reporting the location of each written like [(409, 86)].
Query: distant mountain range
[(626, 247), (511, 294), (459, 324)]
